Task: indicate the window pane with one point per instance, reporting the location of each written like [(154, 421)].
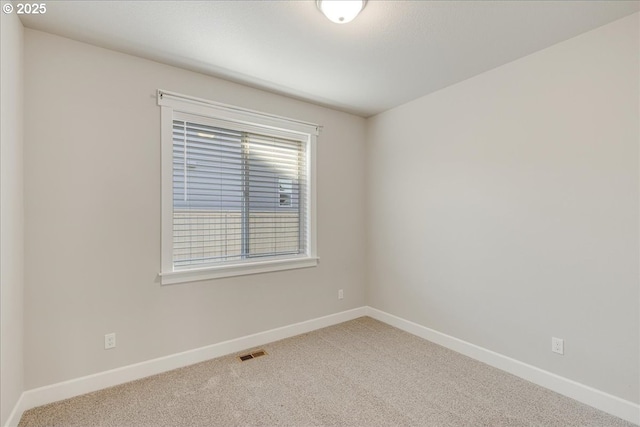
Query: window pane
[(207, 194), (236, 195), (274, 207)]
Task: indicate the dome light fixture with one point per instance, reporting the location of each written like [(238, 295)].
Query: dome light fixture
[(341, 11)]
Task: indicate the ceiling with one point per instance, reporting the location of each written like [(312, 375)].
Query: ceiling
[(392, 53)]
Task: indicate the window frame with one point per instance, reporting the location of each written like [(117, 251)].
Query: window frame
[(240, 119)]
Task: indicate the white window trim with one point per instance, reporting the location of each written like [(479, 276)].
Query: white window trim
[(171, 103)]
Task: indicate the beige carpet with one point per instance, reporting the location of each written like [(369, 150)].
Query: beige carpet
[(358, 373)]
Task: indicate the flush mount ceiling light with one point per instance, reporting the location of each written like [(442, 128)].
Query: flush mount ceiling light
[(341, 11)]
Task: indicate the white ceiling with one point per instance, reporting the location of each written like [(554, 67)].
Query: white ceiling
[(394, 52)]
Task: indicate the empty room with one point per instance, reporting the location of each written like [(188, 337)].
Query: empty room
[(297, 213)]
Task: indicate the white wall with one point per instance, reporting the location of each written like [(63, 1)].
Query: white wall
[(504, 210), (92, 205), (11, 213)]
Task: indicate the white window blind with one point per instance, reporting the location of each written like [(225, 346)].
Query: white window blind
[(236, 195), (238, 191)]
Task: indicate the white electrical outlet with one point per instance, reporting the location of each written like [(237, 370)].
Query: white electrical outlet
[(109, 341), (340, 294), (557, 345)]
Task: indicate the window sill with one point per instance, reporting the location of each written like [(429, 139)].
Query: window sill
[(174, 277)]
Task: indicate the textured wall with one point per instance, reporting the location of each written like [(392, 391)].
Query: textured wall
[(503, 210), (92, 182), (11, 214)]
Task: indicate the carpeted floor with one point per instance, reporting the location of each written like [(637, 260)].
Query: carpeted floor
[(358, 373)]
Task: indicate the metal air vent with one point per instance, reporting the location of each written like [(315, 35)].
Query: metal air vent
[(249, 356)]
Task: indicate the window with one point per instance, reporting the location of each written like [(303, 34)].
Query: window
[(237, 191)]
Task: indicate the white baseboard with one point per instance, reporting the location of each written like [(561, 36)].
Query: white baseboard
[(75, 387), (613, 405), (16, 413), (605, 402)]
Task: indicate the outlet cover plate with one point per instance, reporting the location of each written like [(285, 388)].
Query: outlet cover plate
[(109, 341), (557, 345)]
